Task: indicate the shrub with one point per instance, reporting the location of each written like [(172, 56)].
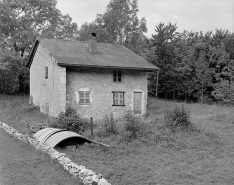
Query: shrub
[(178, 119), (108, 127), (133, 125), (70, 120)]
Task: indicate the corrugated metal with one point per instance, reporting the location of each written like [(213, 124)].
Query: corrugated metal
[(46, 133), (54, 136), (71, 53), (55, 139)]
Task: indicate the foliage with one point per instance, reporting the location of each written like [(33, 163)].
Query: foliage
[(109, 126), (178, 119), (70, 120), (119, 24), (21, 22), (224, 91), (192, 64), (133, 125), (13, 74)]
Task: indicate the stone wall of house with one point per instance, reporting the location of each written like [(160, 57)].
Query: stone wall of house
[(100, 84), (49, 94)]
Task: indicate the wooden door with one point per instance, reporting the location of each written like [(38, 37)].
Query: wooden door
[(137, 102)]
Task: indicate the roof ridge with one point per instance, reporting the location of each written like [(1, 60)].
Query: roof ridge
[(67, 40)]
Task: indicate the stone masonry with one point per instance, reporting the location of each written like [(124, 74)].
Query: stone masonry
[(100, 84), (49, 94)]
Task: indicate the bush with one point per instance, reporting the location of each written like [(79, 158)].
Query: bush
[(108, 127), (70, 120), (178, 119), (133, 125)]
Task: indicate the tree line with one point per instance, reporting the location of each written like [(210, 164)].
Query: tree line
[(194, 66)]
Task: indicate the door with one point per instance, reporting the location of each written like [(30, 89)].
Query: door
[(137, 102)]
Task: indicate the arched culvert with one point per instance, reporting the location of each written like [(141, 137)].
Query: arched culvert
[(54, 136)]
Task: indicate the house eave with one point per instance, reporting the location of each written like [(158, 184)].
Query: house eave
[(32, 54), (107, 67)]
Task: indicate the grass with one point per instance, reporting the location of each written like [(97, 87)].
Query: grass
[(21, 164), (15, 112), (204, 157)]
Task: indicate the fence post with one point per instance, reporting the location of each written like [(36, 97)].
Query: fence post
[(91, 124)]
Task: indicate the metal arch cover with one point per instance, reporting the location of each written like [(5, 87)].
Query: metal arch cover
[(44, 134), (56, 138), (40, 132)]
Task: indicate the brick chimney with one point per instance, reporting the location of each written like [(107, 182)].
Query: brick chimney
[(93, 43)]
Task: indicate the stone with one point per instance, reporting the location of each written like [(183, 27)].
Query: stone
[(96, 178), (103, 181), (65, 166), (73, 171), (82, 173), (91, 173), (94, 183), (87, 180)]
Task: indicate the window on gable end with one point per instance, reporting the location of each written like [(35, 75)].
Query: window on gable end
[(117, 76), (46, 72), (84, 97)]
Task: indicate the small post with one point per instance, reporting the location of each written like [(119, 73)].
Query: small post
[(91, 125), (157, 84)]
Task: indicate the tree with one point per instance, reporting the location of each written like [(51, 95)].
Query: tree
[(161, 54), (121, 23), (21, 22), (13, 74)]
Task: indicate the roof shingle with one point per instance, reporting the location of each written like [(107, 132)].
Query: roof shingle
[(74, 53)]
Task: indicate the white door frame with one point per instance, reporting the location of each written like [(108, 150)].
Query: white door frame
[(142, 100)]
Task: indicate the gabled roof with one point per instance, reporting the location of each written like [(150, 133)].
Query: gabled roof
[(76, 54)]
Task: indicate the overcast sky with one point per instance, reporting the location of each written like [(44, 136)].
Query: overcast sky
[(191, 15)]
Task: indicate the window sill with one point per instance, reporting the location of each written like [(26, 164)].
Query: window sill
[(119, 105), (84, 105)]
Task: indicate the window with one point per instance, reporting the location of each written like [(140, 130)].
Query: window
[(118, 98), (84, 98), (46, 72), (117, 76)]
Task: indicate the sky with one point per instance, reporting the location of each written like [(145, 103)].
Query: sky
[(190, 15)]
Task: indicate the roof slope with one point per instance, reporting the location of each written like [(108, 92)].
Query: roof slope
[(74, 53)]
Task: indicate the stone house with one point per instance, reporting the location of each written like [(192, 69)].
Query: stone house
[(94, 78)]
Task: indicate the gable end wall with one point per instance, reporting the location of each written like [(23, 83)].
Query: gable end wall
[(49, 94)]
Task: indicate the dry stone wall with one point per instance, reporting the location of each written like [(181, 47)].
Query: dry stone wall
[(88, 177)]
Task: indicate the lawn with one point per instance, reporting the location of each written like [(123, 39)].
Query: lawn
[(200, 158), (21, 164)]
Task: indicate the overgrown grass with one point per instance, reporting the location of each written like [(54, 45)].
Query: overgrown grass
[(15, 112), (155, 154), (21, 164)]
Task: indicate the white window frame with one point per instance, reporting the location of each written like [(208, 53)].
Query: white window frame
[(84, 98), (118, 98)]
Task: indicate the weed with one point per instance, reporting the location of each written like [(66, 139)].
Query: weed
[(134, 127), (108, 127), (178, 119), (70, 120)]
